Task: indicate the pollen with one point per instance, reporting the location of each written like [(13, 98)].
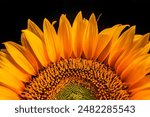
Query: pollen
[(76, 79)]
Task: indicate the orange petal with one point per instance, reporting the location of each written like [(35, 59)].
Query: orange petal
[(103, 41), (35, 29), (125, 41), (141, 95), (90, 38), (143, 84), (137, 37), (141, 42), (8, 64), (129, 55), (78, 30), (127, 58), (64, 33), (7, 94), (37, 46), (104, 38), (3, 97), (136, 70), (22, 57), (10, 81), (25, 43), (52, 41), (109, 48)]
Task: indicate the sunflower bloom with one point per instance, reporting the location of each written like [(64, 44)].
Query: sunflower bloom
[(76, 62)]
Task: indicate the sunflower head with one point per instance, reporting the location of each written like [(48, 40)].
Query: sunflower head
[(76, 62)]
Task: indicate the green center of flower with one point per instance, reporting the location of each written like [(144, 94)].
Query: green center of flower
[(75, 92), (76, 79)]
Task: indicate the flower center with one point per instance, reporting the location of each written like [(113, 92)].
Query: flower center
[(76, 79), (75, 92)]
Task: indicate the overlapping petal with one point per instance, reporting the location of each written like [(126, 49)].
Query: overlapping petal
[(52, 41), (10, 81), (10, 66), (90, 38), (6, 93), (37, 46), (104, 55), (78, 31), (104, 38), (123, 42), (35, 29), (124, 51), (22, 57), (64, 33)]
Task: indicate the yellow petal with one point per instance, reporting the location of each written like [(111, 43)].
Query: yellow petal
[(64, 33), (52, 41), (109, 48), (143, 84), (142, 95), (136, 39), (141, 42), (90, 38), (128, 57), (35, 29), (78, 30), (9, 65), (130, 54), (37, 46), (104, 54), (3, 97), (124, 41), (136, 70), (6, 93), (22, 57), (104, 38), (25, 43), (10, 81)]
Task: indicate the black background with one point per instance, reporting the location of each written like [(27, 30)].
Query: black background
[(14, 14)]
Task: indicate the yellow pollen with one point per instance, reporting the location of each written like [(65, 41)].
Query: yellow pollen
[(82, 76)]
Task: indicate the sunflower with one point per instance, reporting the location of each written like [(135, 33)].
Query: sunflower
[(77, 62)]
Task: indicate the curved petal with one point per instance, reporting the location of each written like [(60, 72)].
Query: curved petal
[(109, 48), (104, 54), (22, 57), (64, 33), (137, 37), (6, 93), (10, 81), (25, 43), (37, 46), (140, 48), (90, 38), (8, 64), (141, 42), (3, 97), (52, 41), (141, 95), (104, 37), (103, 41), (78, 30), (35, 29), (124, 41), (136, 70), (142, 84)]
